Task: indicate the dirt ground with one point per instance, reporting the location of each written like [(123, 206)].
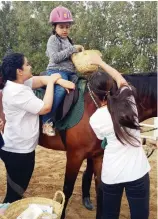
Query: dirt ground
[(48, 177)]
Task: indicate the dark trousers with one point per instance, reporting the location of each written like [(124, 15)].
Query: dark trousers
[(137, 193), (19, 169)]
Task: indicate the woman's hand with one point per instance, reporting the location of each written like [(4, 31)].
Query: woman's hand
[(66, 84), (1, 125), (95, 59), (79, 48), (54, 78)]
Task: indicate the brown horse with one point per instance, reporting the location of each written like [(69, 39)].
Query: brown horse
[(81, 142)]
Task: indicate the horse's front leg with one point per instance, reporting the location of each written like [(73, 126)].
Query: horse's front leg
[(74, 161), (86, 185), (97, 165)]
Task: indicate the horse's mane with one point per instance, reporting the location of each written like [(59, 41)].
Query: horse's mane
[(145, 83)]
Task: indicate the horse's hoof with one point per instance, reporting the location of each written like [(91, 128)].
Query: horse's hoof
[(87, 203)]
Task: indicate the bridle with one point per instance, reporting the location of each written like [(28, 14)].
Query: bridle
[(92, 96)]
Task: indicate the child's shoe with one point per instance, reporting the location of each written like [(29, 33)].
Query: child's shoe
[(48, 129)]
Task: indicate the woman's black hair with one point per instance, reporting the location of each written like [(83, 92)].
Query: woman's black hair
[(120, 103), (9, 66), (55, 33)]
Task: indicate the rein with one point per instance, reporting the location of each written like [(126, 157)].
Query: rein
[(152, 129)]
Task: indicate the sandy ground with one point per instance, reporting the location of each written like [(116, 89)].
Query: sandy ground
[(48, 177)]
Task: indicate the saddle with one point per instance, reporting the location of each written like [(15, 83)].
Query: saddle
[(69, 100)]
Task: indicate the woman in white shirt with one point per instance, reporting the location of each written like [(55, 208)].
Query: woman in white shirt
[(22, 109), (125, 165)]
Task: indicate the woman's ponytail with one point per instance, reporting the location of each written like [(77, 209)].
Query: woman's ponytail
[(123, 110)]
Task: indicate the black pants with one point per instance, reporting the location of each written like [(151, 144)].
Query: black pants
[(137, 193), (19, 169)]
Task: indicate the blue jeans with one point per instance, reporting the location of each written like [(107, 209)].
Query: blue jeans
[(59, 93), (137, 193)]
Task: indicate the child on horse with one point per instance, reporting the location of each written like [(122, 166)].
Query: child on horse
[(125, 165), (59, 50)]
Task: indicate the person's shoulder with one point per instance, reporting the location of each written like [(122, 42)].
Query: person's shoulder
[(53, 38), (11, 88), (99, 115), (21, 97), (11, 92), (131, 93), (125, 87), (29, 82)]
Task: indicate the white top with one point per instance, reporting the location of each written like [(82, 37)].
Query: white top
[(21, 108), (121, 163)]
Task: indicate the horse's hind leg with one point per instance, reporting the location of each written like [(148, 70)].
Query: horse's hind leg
[(74, 161), (86, 184)]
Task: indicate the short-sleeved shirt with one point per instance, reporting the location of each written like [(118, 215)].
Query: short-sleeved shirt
[(21, 108), (121, 163)]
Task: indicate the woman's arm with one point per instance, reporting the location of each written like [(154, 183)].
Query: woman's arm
[(49, 94), (114, 74), (40, 81), (27, 100), (66, 84), (96, 60)]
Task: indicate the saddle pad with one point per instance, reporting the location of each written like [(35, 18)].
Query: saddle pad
[(76, 112)]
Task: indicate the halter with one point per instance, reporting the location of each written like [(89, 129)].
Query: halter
[(91, 95)]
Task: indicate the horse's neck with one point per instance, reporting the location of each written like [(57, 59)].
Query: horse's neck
[(146, 102), (89, 104)]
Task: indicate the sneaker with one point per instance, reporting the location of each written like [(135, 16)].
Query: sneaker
[(48, 129)]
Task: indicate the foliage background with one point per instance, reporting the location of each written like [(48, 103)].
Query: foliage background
[(125, 32)]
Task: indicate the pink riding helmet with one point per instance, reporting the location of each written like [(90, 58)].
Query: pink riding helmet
[(60, 15)]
